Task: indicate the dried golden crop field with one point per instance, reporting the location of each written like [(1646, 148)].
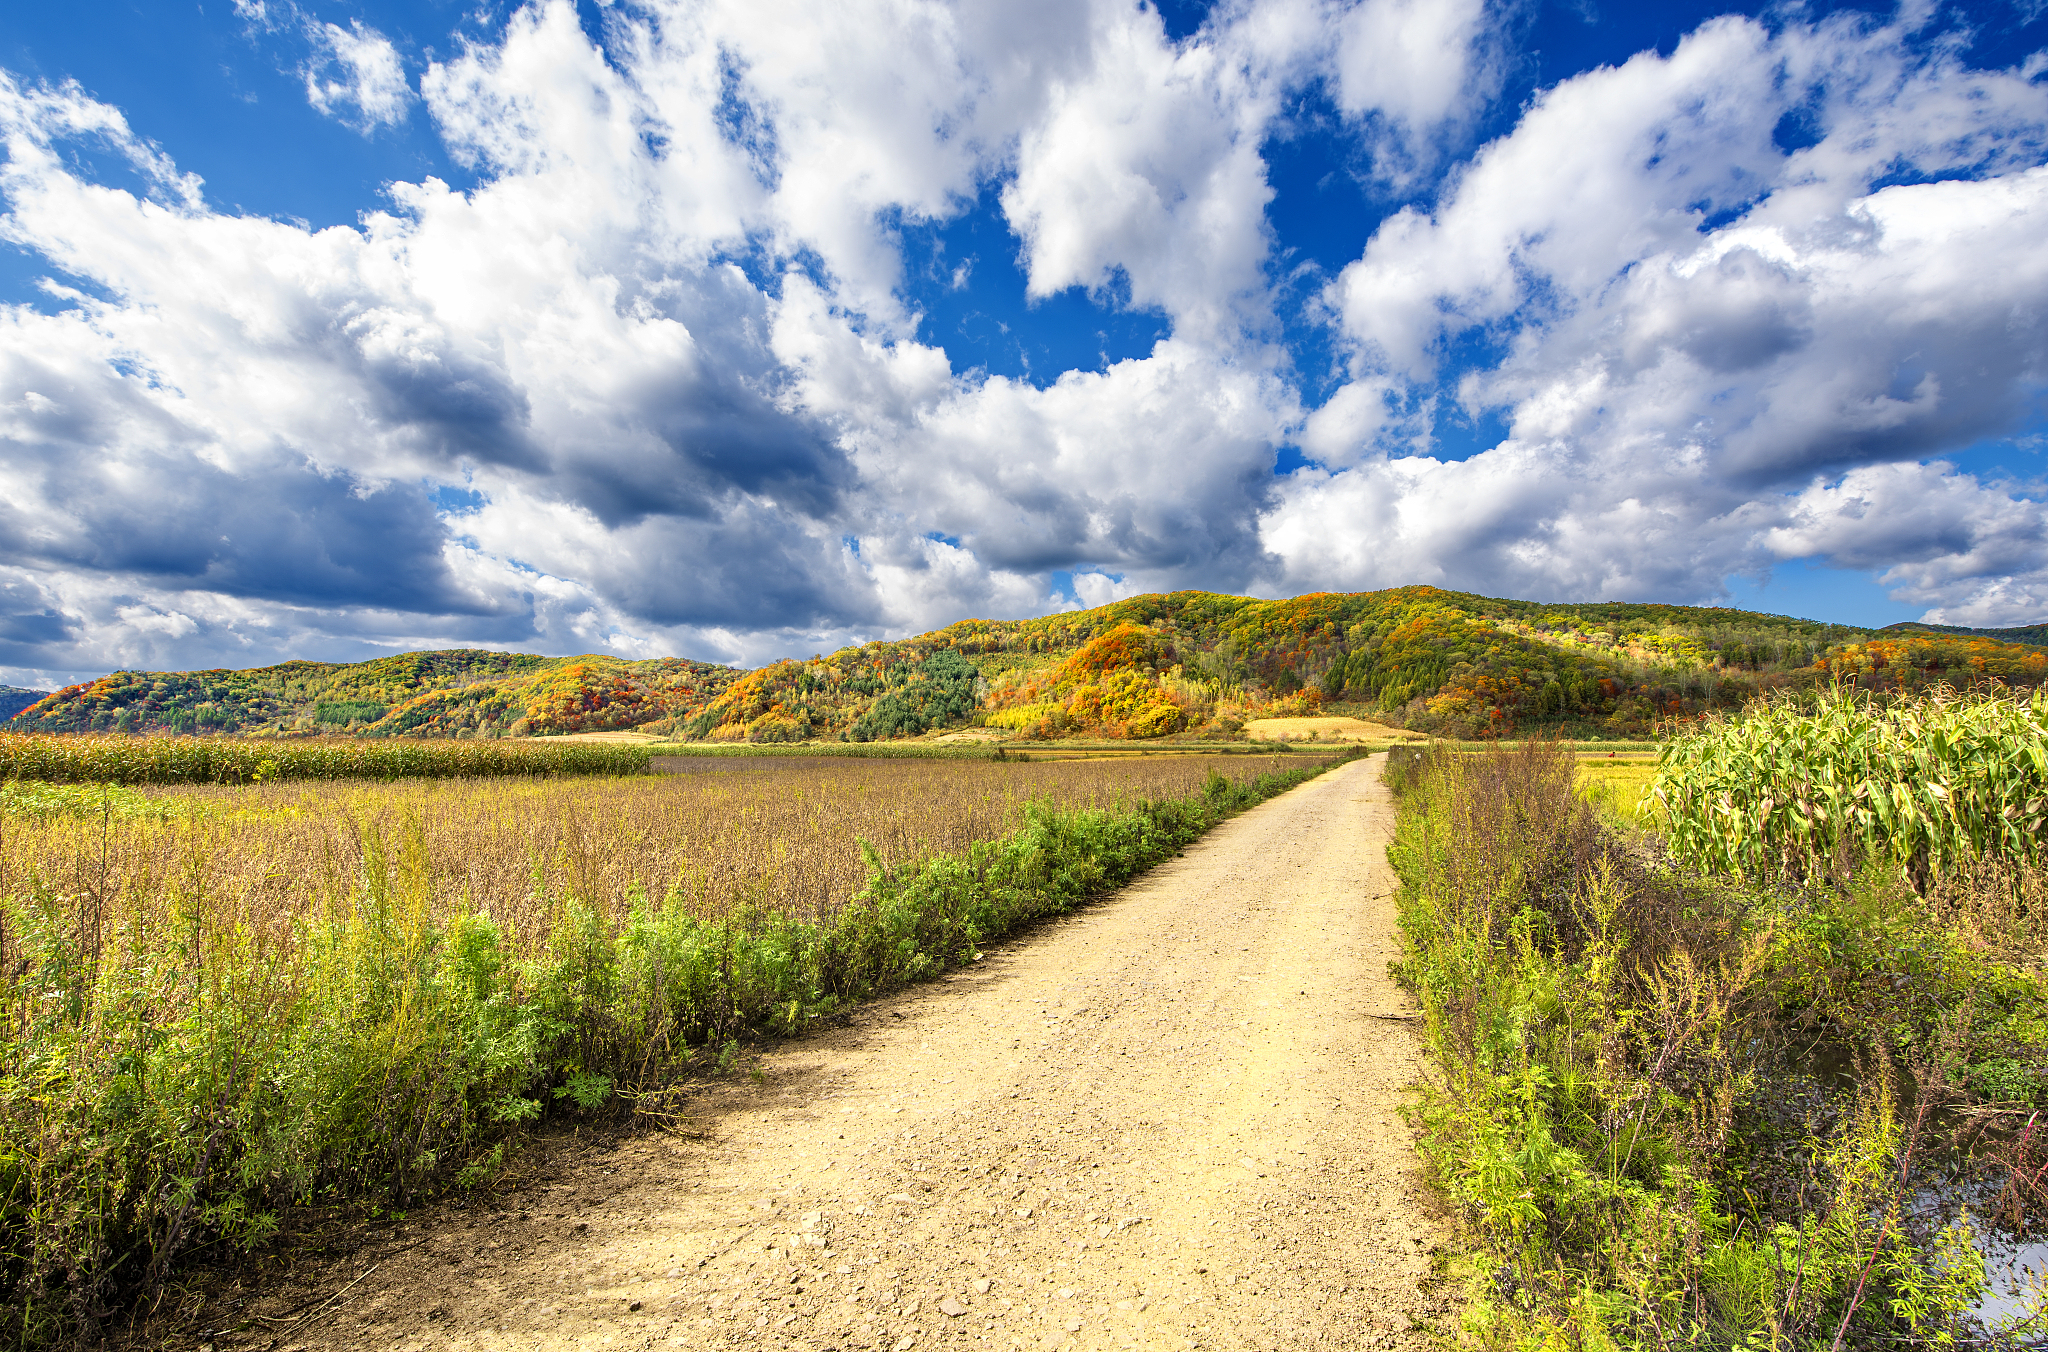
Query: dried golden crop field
[(1618, 785), (782, 835)]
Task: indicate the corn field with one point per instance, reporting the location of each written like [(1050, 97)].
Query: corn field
[(1927, 781), (222, 760)]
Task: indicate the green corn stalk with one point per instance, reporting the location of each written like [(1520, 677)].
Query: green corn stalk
[(1924, 780)]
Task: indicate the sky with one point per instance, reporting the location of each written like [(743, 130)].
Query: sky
[(739, 330)]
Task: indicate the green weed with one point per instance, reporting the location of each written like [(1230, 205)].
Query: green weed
[(1615, 1053)]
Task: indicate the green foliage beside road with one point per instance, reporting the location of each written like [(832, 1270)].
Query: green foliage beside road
[(1677, 1106)]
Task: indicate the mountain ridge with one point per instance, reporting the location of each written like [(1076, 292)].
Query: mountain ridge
[(1162, 664), (13, 699), (443, 692), (2035, 635)]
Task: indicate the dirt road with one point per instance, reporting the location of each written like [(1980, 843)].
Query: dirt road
[(1167, 1121)]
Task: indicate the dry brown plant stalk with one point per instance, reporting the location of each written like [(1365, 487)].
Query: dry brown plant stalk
[(774, 834)]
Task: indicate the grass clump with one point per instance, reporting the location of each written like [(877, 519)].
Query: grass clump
[(1672, 1110), (218, 760), (278, 996)]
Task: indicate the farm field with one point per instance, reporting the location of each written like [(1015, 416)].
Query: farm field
[(783, 837), (1618, 784), (964, 747), (1800, 1009), (117, 759), (1169, 1118), (1127, 751), (235, 1000)]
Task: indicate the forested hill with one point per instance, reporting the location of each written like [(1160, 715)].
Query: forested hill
[(457, 692), (1181, 662), (2035, 634), (1427, 658), (13, 699)]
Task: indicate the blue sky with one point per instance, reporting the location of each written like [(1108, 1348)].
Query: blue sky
[(707, 328)]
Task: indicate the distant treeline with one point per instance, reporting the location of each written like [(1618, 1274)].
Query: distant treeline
[(1192, 663), (1449, 662), (459, 693)]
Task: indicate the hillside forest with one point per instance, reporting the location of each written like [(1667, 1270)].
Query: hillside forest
[(460, 692), (13, 699), (1186, 663)]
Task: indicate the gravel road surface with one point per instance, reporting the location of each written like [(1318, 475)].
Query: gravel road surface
[(1169, 1120)]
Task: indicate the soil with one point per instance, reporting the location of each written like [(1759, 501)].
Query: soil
[(625, 737), (1330, 729), (1169, 1120)]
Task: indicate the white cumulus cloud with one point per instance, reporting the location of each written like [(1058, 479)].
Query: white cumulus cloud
[(654, 381), (1695, 326), (355, 75)]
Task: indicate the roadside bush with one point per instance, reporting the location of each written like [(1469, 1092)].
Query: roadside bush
[(1617, 1111)]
